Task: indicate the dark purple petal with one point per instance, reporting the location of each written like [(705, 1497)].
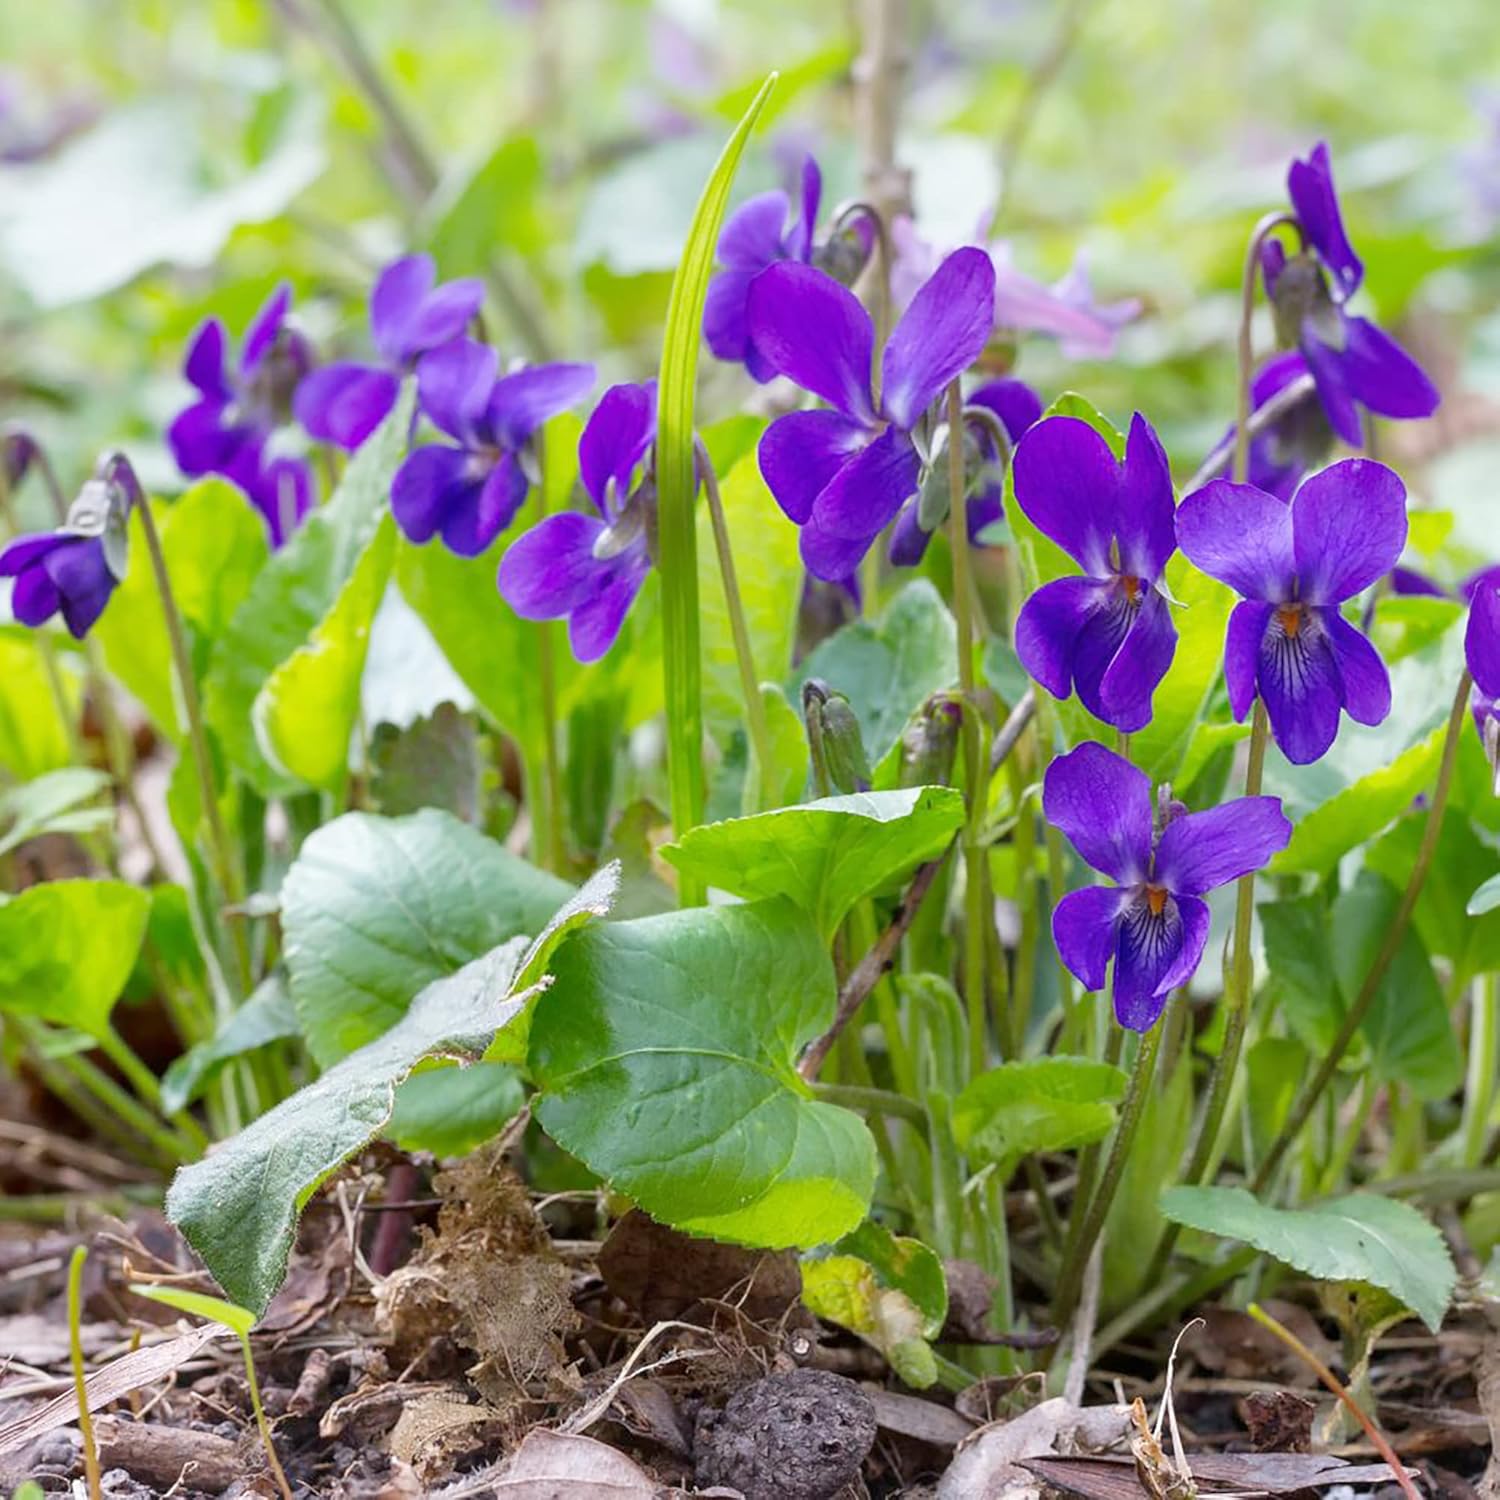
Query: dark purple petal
[(832, 558), (866, 492), (799, 454), (1083, 928), (596, 623), (1201, 851), (26, 551), (473, 522), (454, 384), (799, 237), (939, 336), (84, 582), (1048, 627), (264, 326), (522, 401), (282, 493), (204, 365), (344, 403), (1382, 375), (615, 439), (35, 598), (199, 440), (1300, 684), (1272, 263), (1139, 665), (399, 290), (726, 325), (1241, 536), (431, 482), (1348, 529), (1013, 401), (751, 237), (1331, 376), (1409, 581), (548, 571), (1482, 639), (814, 331), (1097, 646), (1367, 684), (1310, 186), (1156, 952), (908, 541), (1144, 519), (1248, 624), (1068, 483), (1103, 804)]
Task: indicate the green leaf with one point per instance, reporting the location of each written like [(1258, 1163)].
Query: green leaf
[(198, 1305), (376, 908), (1407, 623), (68, 947), (449, 1110), (52, 804), (1043, 1104), (1486, 898), (769, 572), (787, 781), (1361, 1237), (824, 855), (214, 544), (499, 205), (238, 1207), (293, 595), (33, 736), (666, 1050), (433, 762), (267, 1016), (306, 712), (888, 1289), (888, 669)]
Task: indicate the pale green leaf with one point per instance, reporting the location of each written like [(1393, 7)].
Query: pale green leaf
[(1041, 1104)]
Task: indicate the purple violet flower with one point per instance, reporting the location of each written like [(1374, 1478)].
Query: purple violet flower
[(1352, 361), (1153, 922), (1294, 564), (470, 490), (1299, 440), (589, 568), (1016, 407), (344, 403), (1482, 655), (1109, 634), (843, 475)]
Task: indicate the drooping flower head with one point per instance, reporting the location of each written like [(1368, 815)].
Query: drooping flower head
[(589, 568), (1153, 922), (1107, 635), (764, 230), (1065, 311), (843, 475), (468, 491), (1294, 564), (1298, 440), (73, 571), (1482, 656), (344, 403), (1352, 361), (227, 429), (1013, 406)]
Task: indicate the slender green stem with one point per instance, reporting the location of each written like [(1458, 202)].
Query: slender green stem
[(546, 797), (226, 867), (1245, 348), (260, 1421), (1088, 1168), (872, 1101), (80, 1382), (146, 1083), (1347, 1141), (1484, 1067), (1388, 948), (118, 751), (755, 708), (1164, 1299), (1081, 1245)]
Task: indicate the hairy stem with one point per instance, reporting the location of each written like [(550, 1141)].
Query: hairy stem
[(1355, 1018)]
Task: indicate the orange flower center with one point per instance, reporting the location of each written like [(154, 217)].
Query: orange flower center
[(1290, 616), (1156, 898), (1131, 585)]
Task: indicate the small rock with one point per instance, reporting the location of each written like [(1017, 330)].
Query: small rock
[(799, 1436)]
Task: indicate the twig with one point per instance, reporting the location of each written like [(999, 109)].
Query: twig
[(1084, 1323), (867, 971), (878, 74), (1330, 1380)]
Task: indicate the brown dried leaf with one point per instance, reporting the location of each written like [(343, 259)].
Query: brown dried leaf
[(554, 1466), (993, 1463), (436, 1430)]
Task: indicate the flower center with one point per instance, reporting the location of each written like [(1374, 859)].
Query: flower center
[(1132, 586), (1289, 616), (1156, 899)]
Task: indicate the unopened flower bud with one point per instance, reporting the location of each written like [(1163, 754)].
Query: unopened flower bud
[(929, 744)]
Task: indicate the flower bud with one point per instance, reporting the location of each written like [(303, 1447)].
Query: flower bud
[(833, 736), (929, 744)]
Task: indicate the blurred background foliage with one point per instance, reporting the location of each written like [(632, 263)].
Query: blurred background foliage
[(163, 159)]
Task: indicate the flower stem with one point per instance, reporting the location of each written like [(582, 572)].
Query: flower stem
[(146, 1083), (260, 1420), (755, 708), (80, 1384), (545, 794), (1388, 948), (975, 750), (226, 869), (1484, 1067), (1262, 231), (1081, 1246)]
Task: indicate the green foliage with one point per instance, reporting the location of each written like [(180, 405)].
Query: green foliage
[(374, 909), (53, 803), (1360, 1237), (665, 1052), (33, 735), (1045, 1104), (449, 1109), (824, 855), (267, 1016), (198, 1305)]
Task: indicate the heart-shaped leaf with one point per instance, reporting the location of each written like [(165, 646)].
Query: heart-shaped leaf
[(1044, 1104), (666, 1051)]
